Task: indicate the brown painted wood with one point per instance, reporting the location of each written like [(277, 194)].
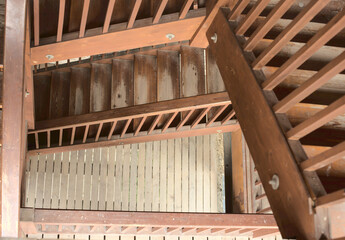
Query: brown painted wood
[(84, 18), (134, 13), (159, 12), (303, 54), (118, 39), (185, 8), (156, 135), (13, 126), (42, 97), (36, 7), (61, 20), (251, 16), (324, 158), (238, 8), (331, 199), (79, 97), (101, 78), (307, 14), (152, 109), (59, 95), (267, 25), (108, 15), (312, 84), (212, 7), (266, 142), (319, 119)]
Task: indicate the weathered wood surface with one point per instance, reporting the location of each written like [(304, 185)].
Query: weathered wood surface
[(113, 183)]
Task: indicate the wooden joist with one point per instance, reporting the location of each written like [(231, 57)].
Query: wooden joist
[(61, 20), (159, 12), (263, 135), (134, 13), (159, 223), (331, 199), (108, 15), (118, 38), (13, 125)]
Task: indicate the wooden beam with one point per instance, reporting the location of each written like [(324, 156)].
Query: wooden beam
[(119, 38), (138, 111), (124, 220), (272, 18), (324, 158), (108, 16), (251, 16), (268, 146), (134, 13), (159, 12), (156, 135), (61, 20), (239, 7), (185, 8), (84, 15), (36, 22), (316, 42), (305, 16), (13, 148), (319, 119), (199, 39), (29, 105), (312, 84), (331, 199)]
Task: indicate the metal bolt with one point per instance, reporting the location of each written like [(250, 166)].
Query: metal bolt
[(170, 36), (27, 93), (301, 4), (274, 182), (214, 38), (49, 57)]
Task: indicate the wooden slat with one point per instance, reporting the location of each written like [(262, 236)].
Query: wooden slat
[(98, 132), (229, 116), (118, 179), (307, 14), (64, 180), (312, 84), (148, 177), (115, 41), (185, 174), (80, 180), (331, 199), (108, 15), (251, 16), (84, 18), (56, 181), (95, 179), (324, 158), (154, 123), (199, 118), (180, 125), (192, 175), (61, 20), (199, 174), (141, 177), (125, 178), (319, 119), (155, 176), (134, 13), (178, 176), (185, 8), (267, 25), (315, 43), (239, 7), (36, 22), (112, 129), (124, 130), (171, 176), (216, 115), (159, 11), (13, 130), (207, 174), (245, 99), (163, 176), (72, 175), (111, 179), (167, 124)]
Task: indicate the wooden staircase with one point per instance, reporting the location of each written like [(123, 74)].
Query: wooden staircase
[(271, 57)]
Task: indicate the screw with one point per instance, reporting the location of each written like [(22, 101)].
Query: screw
[(274, 182), (301, 4), (170, 36), (27, 93), (49, 57), (214, 38)]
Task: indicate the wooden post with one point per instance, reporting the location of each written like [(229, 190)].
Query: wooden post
[(13, 125)]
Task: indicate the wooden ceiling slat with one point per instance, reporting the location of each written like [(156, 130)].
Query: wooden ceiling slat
[(307, 14), (159, 11), (108, 15), (61, 20), (239, 7), (36, 22), (134, 13), (84, 18), (267, 25), (185, 8), (303, 54), (244, 25)]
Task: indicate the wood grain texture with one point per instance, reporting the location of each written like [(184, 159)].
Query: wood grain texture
[(59, 94), (79, 98)]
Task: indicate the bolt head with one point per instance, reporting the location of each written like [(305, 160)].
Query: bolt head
[(214, 37), (274, 182), (170, 36)]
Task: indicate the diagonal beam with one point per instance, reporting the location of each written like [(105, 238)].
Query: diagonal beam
[(268, 145), (119, 38)]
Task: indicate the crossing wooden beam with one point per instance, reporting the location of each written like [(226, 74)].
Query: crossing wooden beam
[(267, 143), (144, 33), (156, 223)]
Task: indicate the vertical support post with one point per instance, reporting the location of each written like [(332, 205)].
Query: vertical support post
[(13, 123)]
